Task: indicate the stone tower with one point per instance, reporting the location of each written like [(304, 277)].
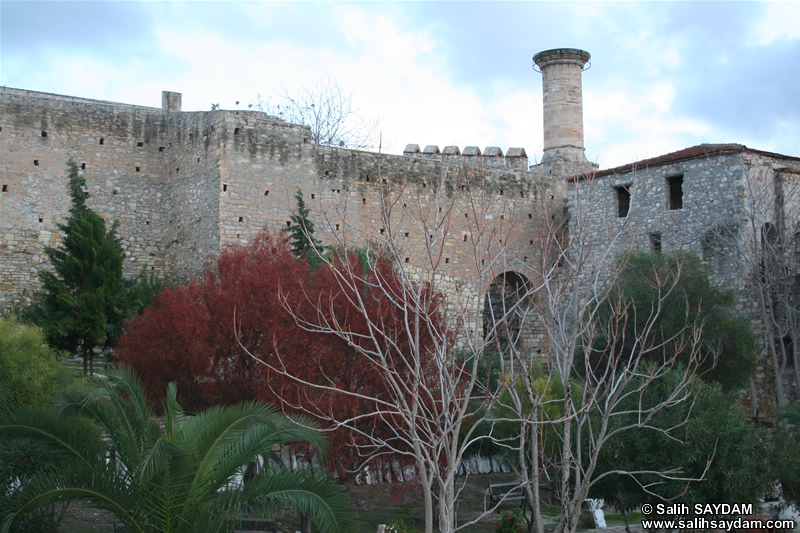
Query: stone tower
[(563, 108)]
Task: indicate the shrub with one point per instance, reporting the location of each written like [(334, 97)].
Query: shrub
[(511, 522), (29, 370)]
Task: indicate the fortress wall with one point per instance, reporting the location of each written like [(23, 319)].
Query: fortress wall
[(40, 132), (191, 191), (183, 184)]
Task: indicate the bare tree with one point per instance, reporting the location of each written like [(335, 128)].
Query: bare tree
[(427, 354), (757, 248), (327, 108), (601, 354)]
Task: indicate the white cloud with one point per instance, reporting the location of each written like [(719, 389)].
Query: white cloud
[(780, 23)]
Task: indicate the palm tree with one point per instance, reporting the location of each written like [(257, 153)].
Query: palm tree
[(176, 474)]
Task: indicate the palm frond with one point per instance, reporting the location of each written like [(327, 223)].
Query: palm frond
[(308, 492)]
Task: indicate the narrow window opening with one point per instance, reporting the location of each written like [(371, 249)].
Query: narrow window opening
[(367, 177), (44, 134), (364, 201), (446, 259), (83, 166), (177, 169), (502, 217), (312, 195), (382, 230), (501, 192), (224, 187), (530, 216), (466, 215), (160, 148), (140, 144), (440, 209), (147, 222), (483, 262), (465, 238), (655, 242), (384, 181), (238, 235), (266, 193), (138, 169), (41, 219), (5, 188), (36, 162), (463, 187), (338, 191), (525, 259), (102, 141), (623, 201), (327, 172), (406, 234), (675, 184), (236, 131), (305, 140), (522, 194), (531, 242), (337, 227), (288, 223), (406, 259), (423, 184), (241, 220)]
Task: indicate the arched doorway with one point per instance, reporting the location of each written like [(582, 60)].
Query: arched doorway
[(505, 313)]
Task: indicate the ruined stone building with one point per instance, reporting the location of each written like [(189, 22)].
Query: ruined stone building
[(184, 184)]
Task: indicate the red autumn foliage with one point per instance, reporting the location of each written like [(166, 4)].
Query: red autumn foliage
[(189, 336)]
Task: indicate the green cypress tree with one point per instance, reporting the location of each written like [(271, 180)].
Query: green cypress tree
[(301, 231), (81, 298)]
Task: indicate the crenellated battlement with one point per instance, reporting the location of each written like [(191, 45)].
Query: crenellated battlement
[(492, 156)]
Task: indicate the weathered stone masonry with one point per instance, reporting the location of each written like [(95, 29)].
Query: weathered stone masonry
[(182, 185)]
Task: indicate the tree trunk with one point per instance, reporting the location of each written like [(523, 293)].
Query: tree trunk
[(305, 523)]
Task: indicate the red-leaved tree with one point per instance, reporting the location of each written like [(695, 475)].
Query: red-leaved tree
[(199, 336)]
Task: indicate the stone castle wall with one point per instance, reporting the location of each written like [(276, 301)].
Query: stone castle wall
[(724, 195), (184, 184)]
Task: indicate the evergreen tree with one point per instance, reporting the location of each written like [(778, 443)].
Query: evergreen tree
[(81, 298), (301, 232)]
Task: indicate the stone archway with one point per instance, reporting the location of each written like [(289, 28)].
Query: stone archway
[(506, 314)]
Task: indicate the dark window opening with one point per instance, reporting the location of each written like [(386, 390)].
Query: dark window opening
[(5, 188), (367, 177), (41, 219), (140, 144), (177, 170), (406, 234), (138, 169), (675, 184), (224, 187), (83, 166), (522, 194), (266, 193), (312, 196), (160, 148), (147, 222), (102, 140), (236, 131), (465, 238), (36, 162), (238, 235), (241, 220), (623, 201), (446, 259), (288, 223), (337, 227), (501, 192), (406, 259), (423, 184), (655, 242), (364, 201), (530, 216), (44, 134), (382, 231)]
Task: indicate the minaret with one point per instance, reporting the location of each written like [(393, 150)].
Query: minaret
[(563, 108)]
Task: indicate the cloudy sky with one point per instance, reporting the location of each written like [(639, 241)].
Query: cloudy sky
[(663, 76)]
